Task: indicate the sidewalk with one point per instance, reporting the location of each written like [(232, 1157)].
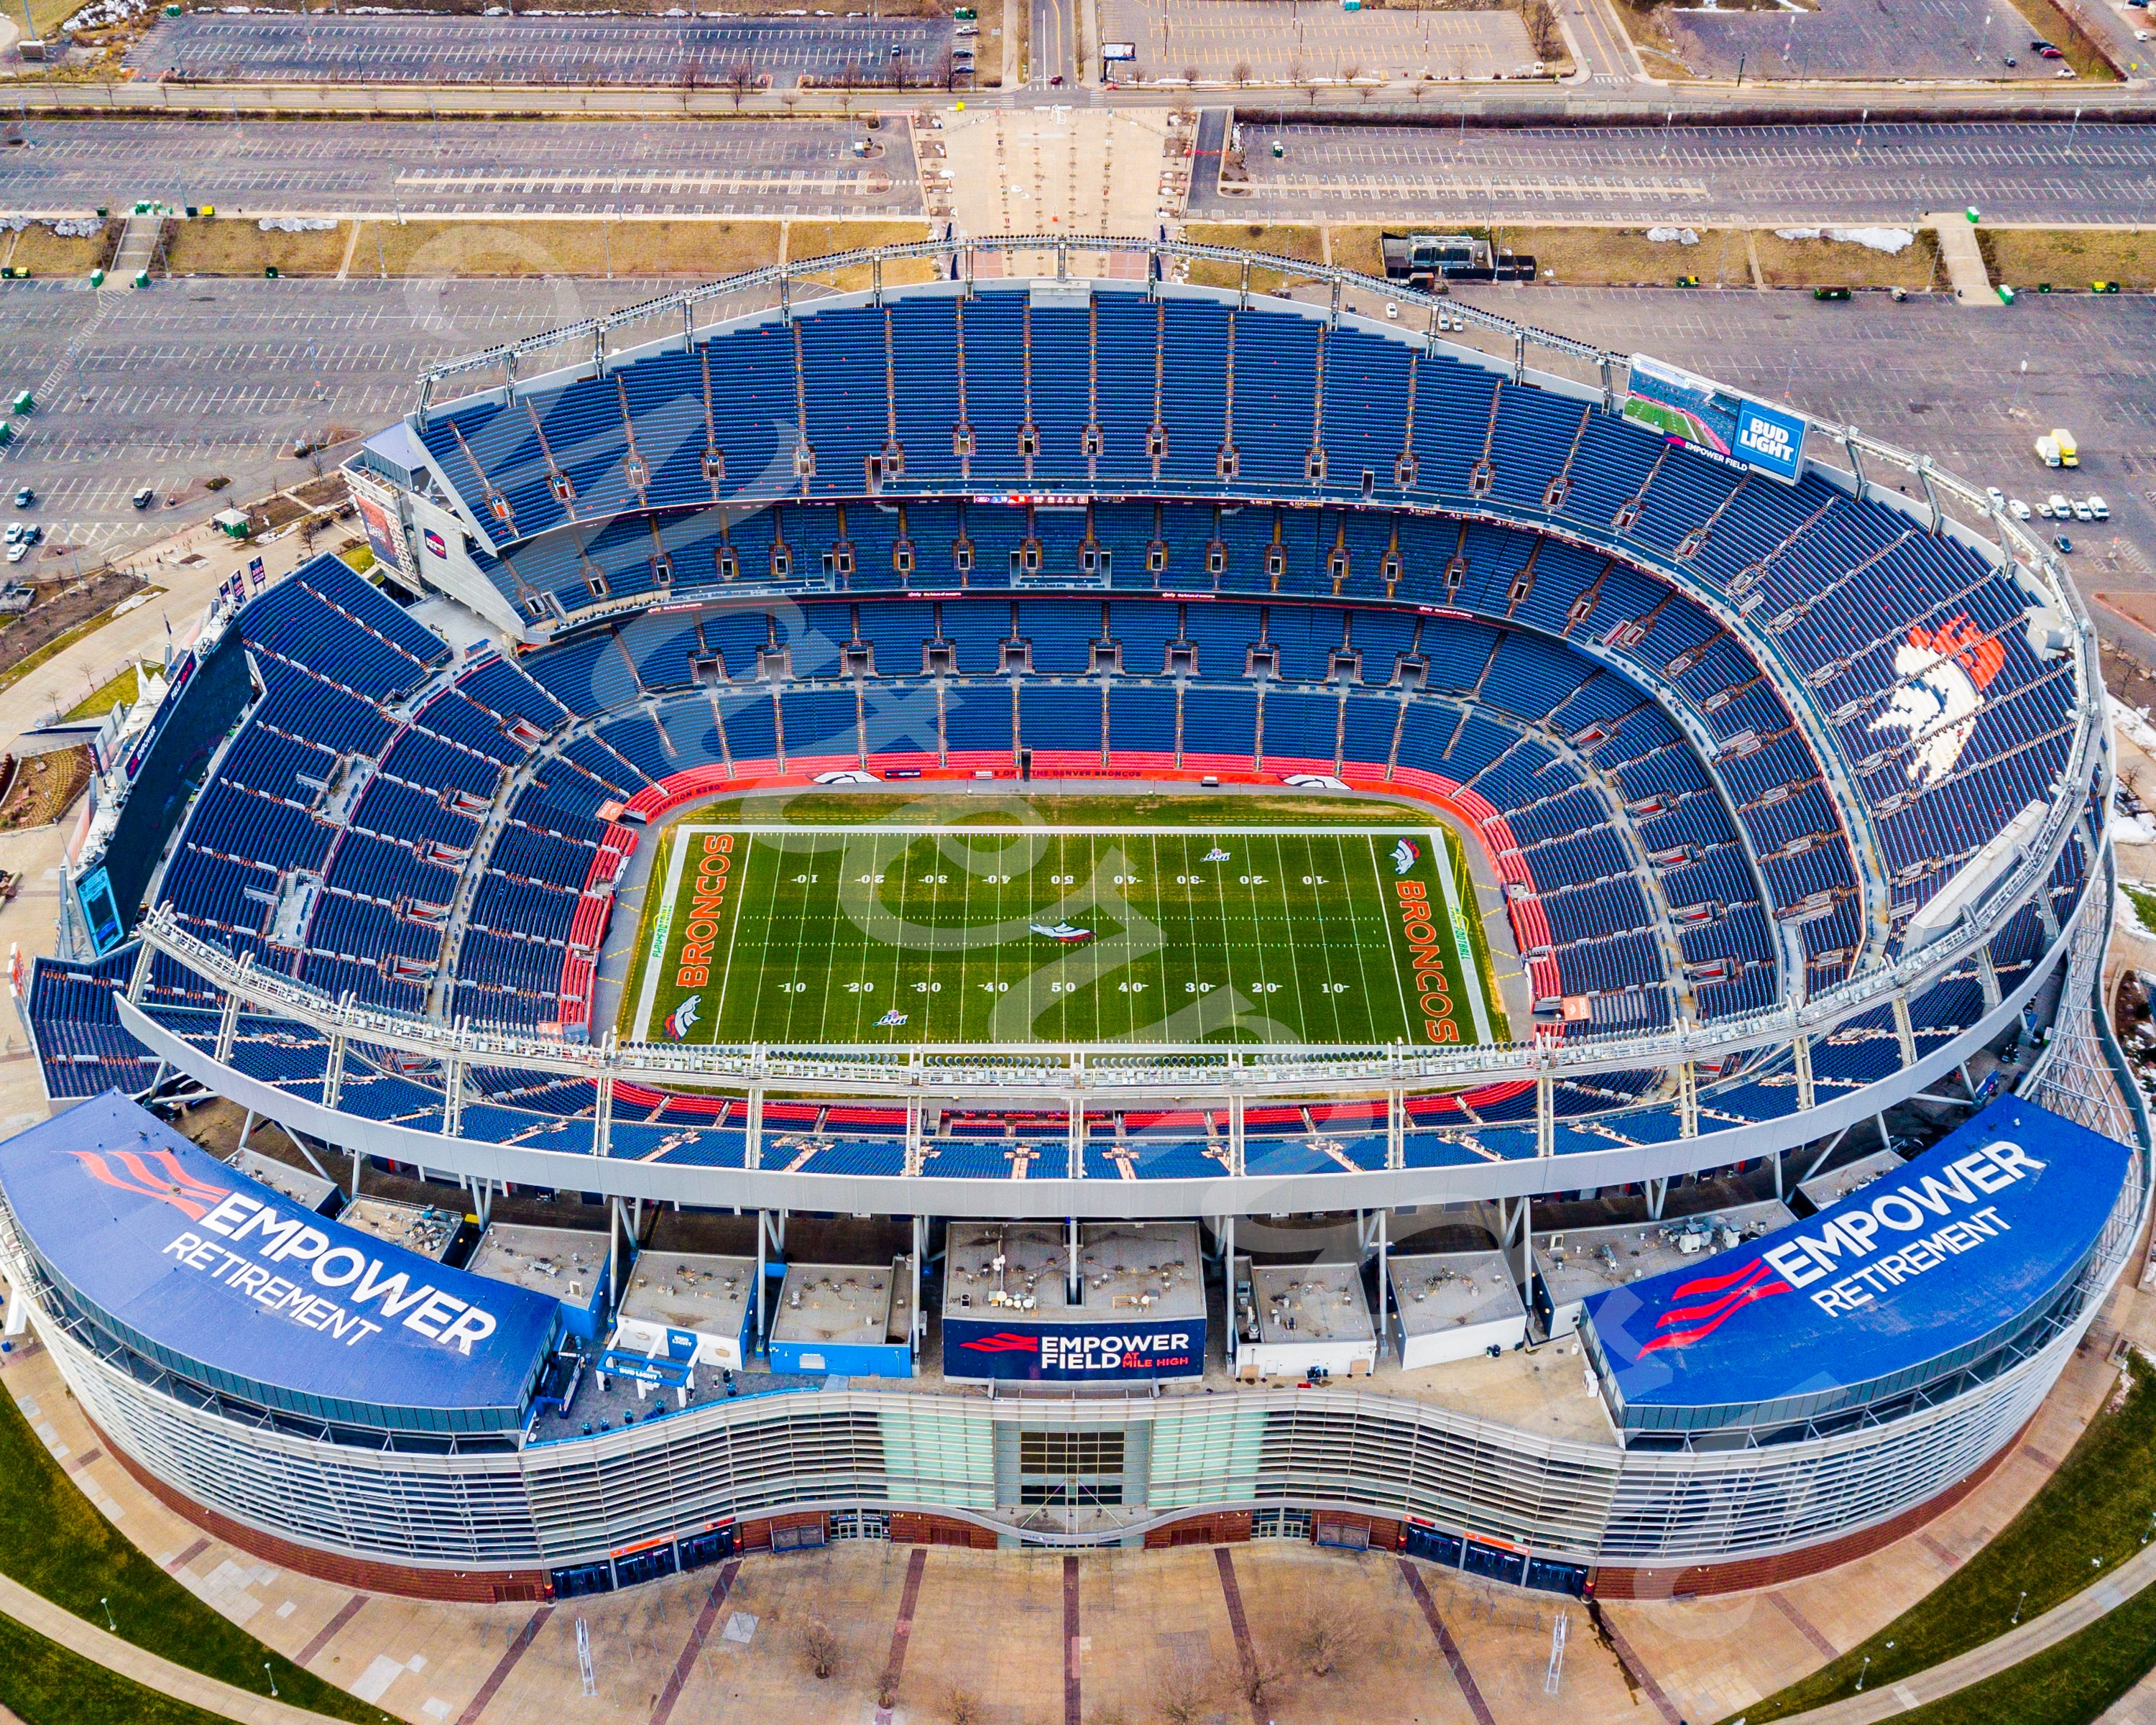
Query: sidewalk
[(36, 1612), (1994, 1656)]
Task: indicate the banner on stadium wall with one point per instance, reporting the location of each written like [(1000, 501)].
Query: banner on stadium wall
[(1074, 1352), (1683, 404), (382, 536), (1932, 1258)]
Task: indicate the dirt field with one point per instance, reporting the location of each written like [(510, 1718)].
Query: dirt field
[(1283, 239), (216, 246), (1824, 263), (808, 240), (701, 249), (55, 611), (43, 252), (40, 790), (2071, 259)]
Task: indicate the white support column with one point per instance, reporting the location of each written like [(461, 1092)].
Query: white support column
[(1987, 976), (914, 1111), (1384, 1301), (763, 1284), (1075, 1123), (1688, 1100), (1228, 1281), (1070, 1282), (247, 1129), (453, 1091), (333, 1073), (1396, 1129), (603, 1114), (1802, 1049), (1904, 1032), (1657, 1191), (1545, 1115), (919, 1332), (755, 1157), (228, 1026), (613, 1258), (1235, 1163), (1528, 1251), (139, 979)]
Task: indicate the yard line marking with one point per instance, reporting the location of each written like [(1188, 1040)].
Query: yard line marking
[(1295, 963), (1471, 973), (1362, 952), (662, 925), (1392, 948), (733, 934)]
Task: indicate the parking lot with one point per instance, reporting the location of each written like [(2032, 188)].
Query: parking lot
[(1295, 42), (805, 167), (2028, 173), (762, 53), (196, 379), (1863, 38)]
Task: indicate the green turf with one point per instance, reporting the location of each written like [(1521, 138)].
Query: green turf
[(1197, 931), (2071, 1684), (2098, 1505), (55, 1542), (43, 1683)]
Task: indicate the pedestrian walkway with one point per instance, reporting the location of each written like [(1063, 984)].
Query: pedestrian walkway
[(35, 1611), (1964, 260), (2025, 1642)]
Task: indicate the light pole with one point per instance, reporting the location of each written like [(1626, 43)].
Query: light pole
[(273, 1679), (109, 1623), (1860, 1676)]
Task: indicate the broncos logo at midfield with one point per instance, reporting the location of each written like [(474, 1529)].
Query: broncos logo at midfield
[(1942, 674)]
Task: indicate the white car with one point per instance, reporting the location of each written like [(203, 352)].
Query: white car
[(2081, 511), (2019, 511), (2061, 510), (2045, 510), (2098, 508), (1997, 496), (16, 553)]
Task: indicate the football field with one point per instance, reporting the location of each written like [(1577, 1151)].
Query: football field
[(899, 935)]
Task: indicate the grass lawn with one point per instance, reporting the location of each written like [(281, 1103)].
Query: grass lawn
[(54, 1541), (2144, 903), (1283, 240), (2069, 1684), (2070, 257), (1827, 262), (1106, 928), (809, 240), (706, 250), (43, 252), (122, 687), (43, 1683), (218, 246), (2098, 1505)]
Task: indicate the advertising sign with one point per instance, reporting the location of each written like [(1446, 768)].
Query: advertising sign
[(382, 534), (1683, 404), (1931, 1258), (100, 911), (1074, 1352), (1119, 50)]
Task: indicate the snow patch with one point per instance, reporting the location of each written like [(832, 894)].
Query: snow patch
[(1892, 241)]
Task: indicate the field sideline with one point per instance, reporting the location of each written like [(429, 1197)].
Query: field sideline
[(1352, 933)]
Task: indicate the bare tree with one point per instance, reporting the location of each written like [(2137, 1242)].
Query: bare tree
[(961, 1706), (1184, 1695), (819, 1647), (1242, 72), (1190, 74), (1331, 1636), (740, 80), (1258, 1680)]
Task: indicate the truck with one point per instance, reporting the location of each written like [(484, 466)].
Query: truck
[(2057, 449)]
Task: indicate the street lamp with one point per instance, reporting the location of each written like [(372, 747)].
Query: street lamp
[(109, 1623)]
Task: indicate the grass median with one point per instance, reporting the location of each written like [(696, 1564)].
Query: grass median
[(2071, 1684), (43, 1683), (55, 1542), (2097, 1506)]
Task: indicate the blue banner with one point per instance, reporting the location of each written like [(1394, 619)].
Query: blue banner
[(1074, 1352), (1936, 1256)]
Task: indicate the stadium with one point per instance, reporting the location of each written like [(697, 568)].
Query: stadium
[(1346, 903)]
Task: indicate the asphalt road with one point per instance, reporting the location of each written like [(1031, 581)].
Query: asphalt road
[(2081, 173), (781, 51), (804, 167)]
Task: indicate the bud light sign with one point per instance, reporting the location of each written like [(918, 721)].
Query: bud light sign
[(1074, 1353), (1770, 439)]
